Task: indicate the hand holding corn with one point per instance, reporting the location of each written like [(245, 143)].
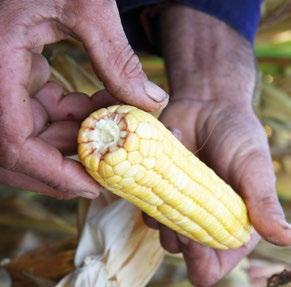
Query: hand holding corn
[(212, 80), (38, 128)]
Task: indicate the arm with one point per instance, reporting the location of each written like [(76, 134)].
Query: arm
[(205, 55)]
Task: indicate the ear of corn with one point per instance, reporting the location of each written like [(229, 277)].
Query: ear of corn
[(132, 154)]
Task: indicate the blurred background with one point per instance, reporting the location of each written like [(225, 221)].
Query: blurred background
[(38, 235)]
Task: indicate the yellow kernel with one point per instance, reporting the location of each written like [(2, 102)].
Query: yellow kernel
[(132, 171), (91, 162), (150, 179), (145, 147), (149, 163), (83, 136), (162, 164), (122, 167), (140, 174), (153, 148), (112, 109), (180, 180), (128, 181), (125, 109), (113, 179), (168, 148), (131, 122), (134, 157), (105, 170), (142, 116), (95, 175), (132, 142), (115, 157), (88, 123), (145, 194), (84, 150), (99, 114), (145, 130)]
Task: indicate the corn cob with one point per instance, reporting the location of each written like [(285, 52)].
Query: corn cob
[(132, 154)]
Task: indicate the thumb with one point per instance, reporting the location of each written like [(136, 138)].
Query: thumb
[(257, 186), (113, 59)]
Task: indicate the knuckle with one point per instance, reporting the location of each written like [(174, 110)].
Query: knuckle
[(169, 245), (204, 280), (55, 185), (271, 203), (9, 155), (127, 63)]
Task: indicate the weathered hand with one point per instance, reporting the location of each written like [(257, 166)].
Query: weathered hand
[(56, 119), (230, 139), (212, 79), (29, 155)]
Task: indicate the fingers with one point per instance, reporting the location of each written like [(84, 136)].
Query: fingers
[(114, 60), (57, 116), (39, 74), (230, 258), (73, 106), (206, 266), (47, 165), (168, 239), (150, 222), (25, 182), (62, 136), (257, 186)]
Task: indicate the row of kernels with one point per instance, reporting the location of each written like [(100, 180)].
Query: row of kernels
[(172, 197), (201, 194), (144, 193), (208, 179)]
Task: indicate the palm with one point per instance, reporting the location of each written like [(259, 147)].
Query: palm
[(231, 141)]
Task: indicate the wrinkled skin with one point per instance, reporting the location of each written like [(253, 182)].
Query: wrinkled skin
[(39, 126), (37, 130), (212, 75), (244, 163)]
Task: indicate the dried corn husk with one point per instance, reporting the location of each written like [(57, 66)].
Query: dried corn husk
[(115, 249)]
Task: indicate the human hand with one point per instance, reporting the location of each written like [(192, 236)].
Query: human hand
[(230, 139), (212, 81), (31, 155), (55, 123)]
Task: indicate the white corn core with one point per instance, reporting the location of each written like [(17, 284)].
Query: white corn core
[(105, 134)]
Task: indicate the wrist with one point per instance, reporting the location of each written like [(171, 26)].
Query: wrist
[(206, 59)]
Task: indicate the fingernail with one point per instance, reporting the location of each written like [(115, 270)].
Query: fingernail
[(183, 239), (177, 133), (155, 92)]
